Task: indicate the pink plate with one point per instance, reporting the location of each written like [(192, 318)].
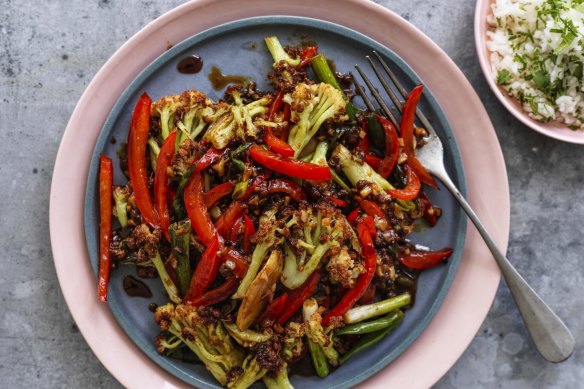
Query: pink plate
[(554, 130), (475, 284)]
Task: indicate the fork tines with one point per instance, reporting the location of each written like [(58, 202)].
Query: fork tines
[(388, 89)]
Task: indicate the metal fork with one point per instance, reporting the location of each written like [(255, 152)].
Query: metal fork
[(552, 338)]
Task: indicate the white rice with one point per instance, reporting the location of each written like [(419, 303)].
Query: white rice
[(537, 55)]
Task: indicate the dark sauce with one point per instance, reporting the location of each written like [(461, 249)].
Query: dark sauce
[(136, 288), (190, 65), (152, 307), (303, 367), (220, 80)]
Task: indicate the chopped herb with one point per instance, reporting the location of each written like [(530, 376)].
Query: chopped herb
[(541, 79), (503, 77)]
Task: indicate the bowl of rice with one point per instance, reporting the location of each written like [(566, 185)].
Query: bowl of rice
[(532, 55)]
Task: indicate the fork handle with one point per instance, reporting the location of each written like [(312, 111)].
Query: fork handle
[(552, 338)]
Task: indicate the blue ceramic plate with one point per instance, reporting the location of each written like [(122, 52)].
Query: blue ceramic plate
[(238, 48)]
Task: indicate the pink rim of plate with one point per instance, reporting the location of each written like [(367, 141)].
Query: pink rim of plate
[(554, 130), (475, 284)]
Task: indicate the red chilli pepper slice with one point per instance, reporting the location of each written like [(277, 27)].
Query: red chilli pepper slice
[(197, 210), (411, 190), (370, 224), (228, 218), (364, 145), (352, 217), (369, 295), (248, 231), (274, 143), (214, 296), (430, 216), (209, 158), (217, 193), (236, 229), (373, 161), (306, 55), (161, 181), (370, 208), (391, 148), (253, 186), (282, 185), (238, 265), (274, 309), (337, 202), (277, 145), (421, 260), (206, 271), (276, 104), (407, 133), (290, 167), (137, 167), (355, 293), (106, 181), (298, 296)]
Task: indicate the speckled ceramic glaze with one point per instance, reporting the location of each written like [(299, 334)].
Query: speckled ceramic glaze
[(472, 290), (554, 130)]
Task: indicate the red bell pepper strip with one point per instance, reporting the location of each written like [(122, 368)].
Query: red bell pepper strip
[(211, 157), (253, 186), (290, 167), (274, 309), (411, 190), (240, 265), (373, 161), (306, 55), (106, 181), (161, 181), (197, 210), (355, 293), (206, 271), (430, 216), (217, 193), (371, 208), (137, 167), (352, 217), (421, 260), (228, 218), (236, 229), (298, 296), (391, 148), (282, 185), (337, 202), (248, 231), (214, 296), (407, 133)]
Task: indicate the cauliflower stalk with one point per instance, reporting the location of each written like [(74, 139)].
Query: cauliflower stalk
[(315, 231), (208, 339)]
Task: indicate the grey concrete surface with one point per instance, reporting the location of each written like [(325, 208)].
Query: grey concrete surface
[(50, 50)]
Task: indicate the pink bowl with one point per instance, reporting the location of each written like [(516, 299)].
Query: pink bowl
[(554, 130)]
